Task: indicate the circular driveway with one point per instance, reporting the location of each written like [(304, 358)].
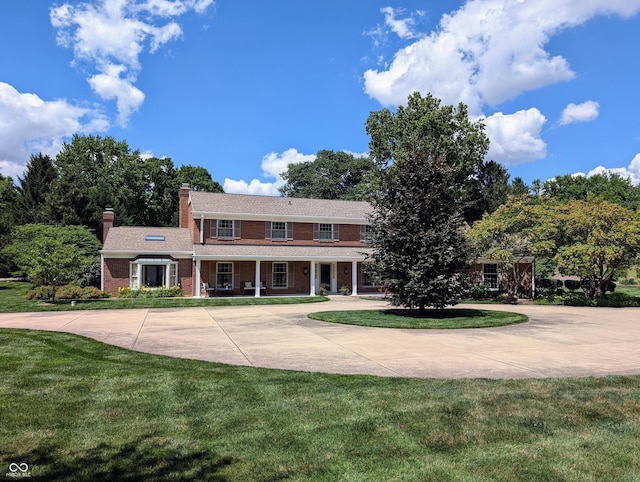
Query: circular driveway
[(557, 341)]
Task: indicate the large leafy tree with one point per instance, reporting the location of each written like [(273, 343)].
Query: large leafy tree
[(434, 129), (95, 173), (332, 175), (426, 154), (592, 239), (198, 178), (51, 255), (610, 186)]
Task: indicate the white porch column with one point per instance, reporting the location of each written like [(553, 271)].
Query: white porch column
[(167, 275), (312, 279), (257, 280), (334, 278), (198, 280), (354, 278)]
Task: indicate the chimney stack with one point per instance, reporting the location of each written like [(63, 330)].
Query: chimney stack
[(184, 206), (108, 220)]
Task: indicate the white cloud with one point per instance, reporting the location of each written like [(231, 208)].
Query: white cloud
[(515, 138), (111, 35), (30, 124), (402, 27), (487, 52), (585, 112), (632, 171), (273, 165)]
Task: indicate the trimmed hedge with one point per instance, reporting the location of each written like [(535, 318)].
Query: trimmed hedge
[(144, 292), (614, 300)]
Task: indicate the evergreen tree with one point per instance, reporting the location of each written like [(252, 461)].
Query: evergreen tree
[(34, 189)]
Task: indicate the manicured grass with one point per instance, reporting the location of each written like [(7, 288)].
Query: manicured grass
[(75, 409), (631, 290), (432, 319), (12, 299)]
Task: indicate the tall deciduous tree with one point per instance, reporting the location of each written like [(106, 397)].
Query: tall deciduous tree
[(443, 130), (426, 155), (198, 178), (332, 175)]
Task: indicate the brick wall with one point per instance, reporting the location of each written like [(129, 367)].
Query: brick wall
[(116, 274)]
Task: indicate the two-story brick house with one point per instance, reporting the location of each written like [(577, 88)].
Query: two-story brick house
[(229, 244)]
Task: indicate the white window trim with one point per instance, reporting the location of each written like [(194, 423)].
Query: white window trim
[(274, 273), (217, 272), (486, 280), (170, 275)]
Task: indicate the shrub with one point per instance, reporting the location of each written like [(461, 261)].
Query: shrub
[(40, 293), (478, 292), (614, 300), (67, 292), (145, 292), (548, 286)]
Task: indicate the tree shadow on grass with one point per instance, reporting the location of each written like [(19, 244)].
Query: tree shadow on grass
[(437, 314), (145, 459)]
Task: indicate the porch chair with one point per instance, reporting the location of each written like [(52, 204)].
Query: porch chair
[(208, 290)]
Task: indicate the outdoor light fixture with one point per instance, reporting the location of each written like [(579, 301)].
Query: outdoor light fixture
[(305, 271), (346, 270)]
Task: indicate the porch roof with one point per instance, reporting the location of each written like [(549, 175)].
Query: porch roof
[(280, 253)]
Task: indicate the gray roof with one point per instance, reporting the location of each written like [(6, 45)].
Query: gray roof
[(247, 206), (129, 239), (280, 252)]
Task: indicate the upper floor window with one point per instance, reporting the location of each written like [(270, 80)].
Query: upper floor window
[(279, 230), (225, 228), (325, 232), (365, 233)]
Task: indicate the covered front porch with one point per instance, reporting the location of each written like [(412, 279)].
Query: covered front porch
[(276, 278)]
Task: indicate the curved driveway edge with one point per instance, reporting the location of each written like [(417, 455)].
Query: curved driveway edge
[(557, 341)]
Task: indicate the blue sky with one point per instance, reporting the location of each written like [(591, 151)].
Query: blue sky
[(245, 88)]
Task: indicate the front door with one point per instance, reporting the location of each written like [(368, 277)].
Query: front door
[(325, 275)]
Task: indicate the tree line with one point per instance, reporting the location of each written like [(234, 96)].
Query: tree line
[(437, 203)]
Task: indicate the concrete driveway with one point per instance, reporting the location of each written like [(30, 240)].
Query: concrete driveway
[(557, 341)]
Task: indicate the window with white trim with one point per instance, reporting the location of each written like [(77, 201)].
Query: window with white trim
[(224, 275), (153, 273), (325, 232), (365, 233), (225, 228), (279, 230), (490, 275), (280, 275)]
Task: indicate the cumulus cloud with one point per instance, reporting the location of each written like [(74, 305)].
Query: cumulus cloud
[(110, 35), (31, 124), (585, 112), (402, 27), (487, 52), (515, 138), (632, 171), (273, 165)]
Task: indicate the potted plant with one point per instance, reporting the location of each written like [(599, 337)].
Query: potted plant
[(323, 290), (344, 289)]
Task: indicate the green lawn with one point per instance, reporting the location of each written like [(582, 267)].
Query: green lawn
[(76, 409), (431, 319), (13, 299)]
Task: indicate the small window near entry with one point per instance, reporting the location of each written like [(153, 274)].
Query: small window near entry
[(280, 275), (225, 228), (490, 275), (278, 230)]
